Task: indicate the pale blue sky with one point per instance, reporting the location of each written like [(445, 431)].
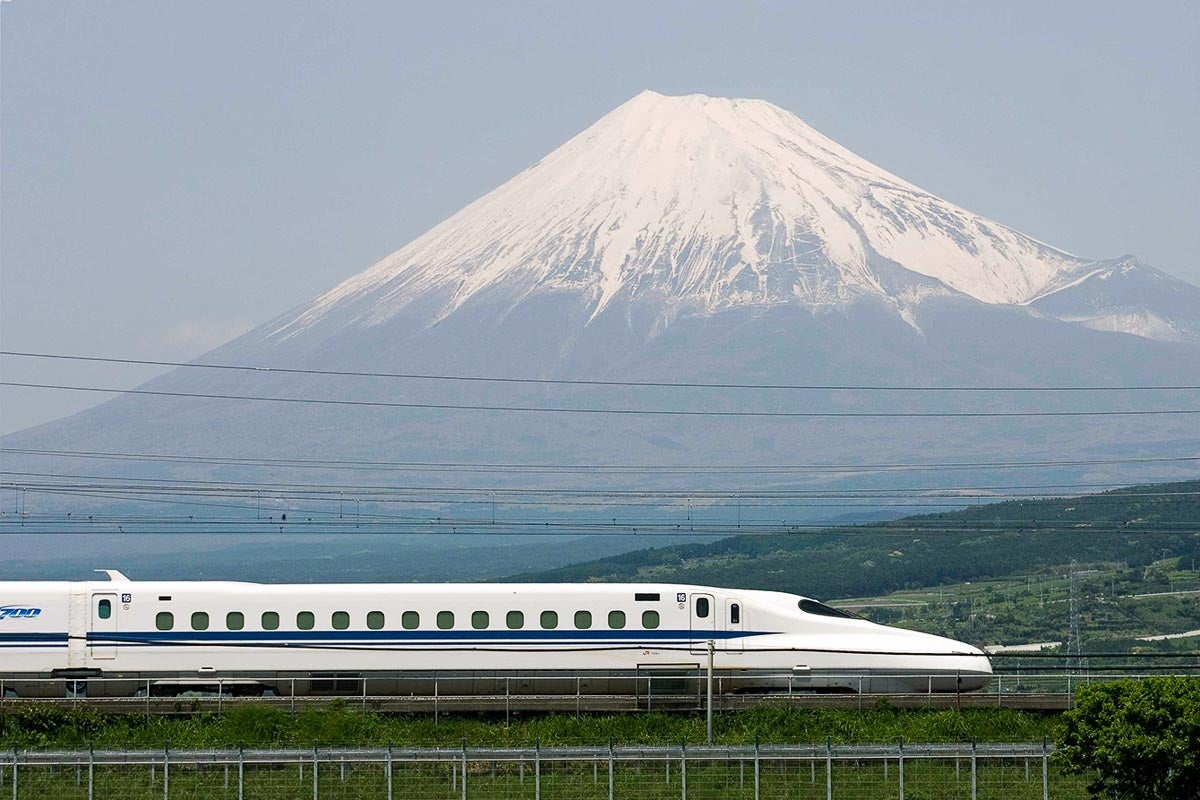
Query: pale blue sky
[(173, 174)]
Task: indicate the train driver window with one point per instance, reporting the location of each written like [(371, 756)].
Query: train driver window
[(583, 620), (479, 620), (375, 620), (104, 609), (515, 620), (616, 619), (549, 620), (410, 620), (235, 621), (164, 620), (822, 610), (445, 620), (270, 620), (701, 607), (305, 620), (340, 620), (735, 613)]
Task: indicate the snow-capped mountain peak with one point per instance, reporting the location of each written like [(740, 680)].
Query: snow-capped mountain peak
[(699, 204)]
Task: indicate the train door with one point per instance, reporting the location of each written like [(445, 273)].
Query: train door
[(734, 623), (704, 622), (104, 621)]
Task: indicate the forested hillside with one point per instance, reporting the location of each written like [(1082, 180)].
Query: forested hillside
[(1136, 526)]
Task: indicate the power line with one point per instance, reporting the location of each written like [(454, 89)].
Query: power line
[(616, 411), (133, 482), (657, 469), (595, 382)]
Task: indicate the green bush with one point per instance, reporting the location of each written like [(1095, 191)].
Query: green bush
[(1142, 738)]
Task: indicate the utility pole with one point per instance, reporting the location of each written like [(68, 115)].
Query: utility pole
[(1074, 637)]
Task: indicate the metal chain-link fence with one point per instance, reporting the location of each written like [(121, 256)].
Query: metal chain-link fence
[(829, 772)]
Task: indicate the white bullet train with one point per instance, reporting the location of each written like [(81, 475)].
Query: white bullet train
[(169, 637)]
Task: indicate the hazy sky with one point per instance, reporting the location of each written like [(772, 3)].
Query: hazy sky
[(175, 173)]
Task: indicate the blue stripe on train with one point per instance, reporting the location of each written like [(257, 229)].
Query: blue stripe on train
[(416, 637)]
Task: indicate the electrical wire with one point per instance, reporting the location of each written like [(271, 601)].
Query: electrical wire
[(611, 411), (594, 382)]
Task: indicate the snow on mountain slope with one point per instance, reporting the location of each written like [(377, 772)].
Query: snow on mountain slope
[(703, 204), (1126, 296)]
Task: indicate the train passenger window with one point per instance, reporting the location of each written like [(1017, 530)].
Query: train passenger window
[(549, 620), (514, 620), (235, 621), (199, 621), (479, 620), (305, 620), (735, 613), (445, 620), (616, 619), (411, 620), (649, 620), (104, 609), (583, 620), (701, 607), (340, 620), (270, 620), (375, 620), (164, 620)]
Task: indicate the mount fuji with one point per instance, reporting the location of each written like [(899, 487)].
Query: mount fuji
[(691, 239)]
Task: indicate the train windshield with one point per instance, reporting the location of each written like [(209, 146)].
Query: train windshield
[(813, 607)]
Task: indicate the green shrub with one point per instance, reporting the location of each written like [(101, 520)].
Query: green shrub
[(1141, 737)]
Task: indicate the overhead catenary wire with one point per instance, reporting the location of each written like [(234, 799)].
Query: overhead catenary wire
[(596, 382), (556, 468), (661, 412)]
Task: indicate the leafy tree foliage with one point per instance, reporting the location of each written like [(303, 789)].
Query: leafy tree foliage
[(1141, 737)]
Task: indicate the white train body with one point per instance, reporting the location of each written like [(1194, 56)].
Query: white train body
[(304, 638)]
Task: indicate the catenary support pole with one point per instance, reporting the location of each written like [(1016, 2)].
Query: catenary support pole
[(712, 647)]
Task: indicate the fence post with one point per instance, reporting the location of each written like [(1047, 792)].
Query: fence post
[(91, 771), (974, 779), (756, 766), (241, 772), (900, 761), (315, 771), (537, 769), (14, 773), (610, 768), (388, 771), (828, 768), (1045, 770), (166, 771), (683, 769), (463, 783)]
